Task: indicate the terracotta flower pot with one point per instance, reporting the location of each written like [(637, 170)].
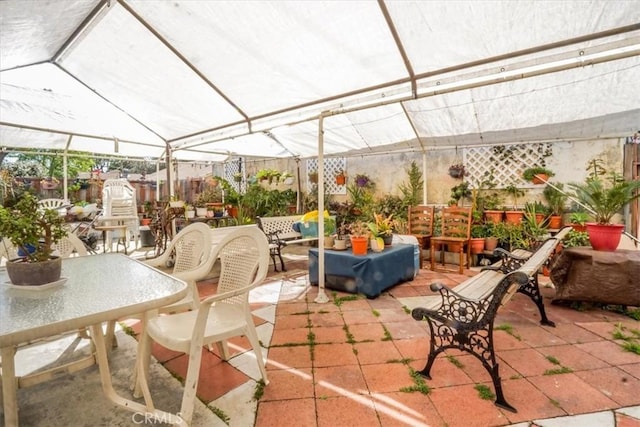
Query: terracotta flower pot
[(493, 216), (477, 245), (555, 222), (540, 178), (514, 217), (490, 243)]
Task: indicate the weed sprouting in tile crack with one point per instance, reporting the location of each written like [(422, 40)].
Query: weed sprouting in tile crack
[(484, 392), (454, 361), (387, 334), (350, 337), (419, 384), (339, 300), (508, 329), (375, 312), (220, 414), (259, 391), (558, 371), (553, 360)]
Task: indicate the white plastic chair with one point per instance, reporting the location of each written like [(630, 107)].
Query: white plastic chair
[(69, 245), (244, 256), (59, 205), (7, 250), (191, 250)]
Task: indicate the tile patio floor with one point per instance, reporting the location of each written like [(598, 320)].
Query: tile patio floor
[(344, 363)]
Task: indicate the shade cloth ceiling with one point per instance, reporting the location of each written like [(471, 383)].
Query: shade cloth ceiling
[(250, 78)]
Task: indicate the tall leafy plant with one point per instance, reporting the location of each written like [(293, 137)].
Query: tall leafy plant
[(605, 198)]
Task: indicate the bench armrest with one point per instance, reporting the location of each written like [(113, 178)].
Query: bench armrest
[(510, 262)]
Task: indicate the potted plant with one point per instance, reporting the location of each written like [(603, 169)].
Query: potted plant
[(329, 230), (33, 231), (459, 192), (359, 232), (578, 221), (556, 198), (514, 216), (286, 178), (237, 177), (478, 236), (457, 170), (382, 228), (313, 177), (537, 174), (341, 178), (604, 199)]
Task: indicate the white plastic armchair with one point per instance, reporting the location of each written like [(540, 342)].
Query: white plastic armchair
[(8, 250), (59, 205), (192, 252), (69, 245), (244, 256)]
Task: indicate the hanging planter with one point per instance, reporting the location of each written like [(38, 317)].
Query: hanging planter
[(313, 177), (341, 178), (456, 171)]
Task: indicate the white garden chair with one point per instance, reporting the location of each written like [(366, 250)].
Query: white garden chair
[(59, 205), (244, 256), (70, 245)]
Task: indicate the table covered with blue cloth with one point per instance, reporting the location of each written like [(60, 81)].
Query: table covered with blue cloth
[(366, 274)]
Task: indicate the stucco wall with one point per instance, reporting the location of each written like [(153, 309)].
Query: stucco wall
[(569, 161)]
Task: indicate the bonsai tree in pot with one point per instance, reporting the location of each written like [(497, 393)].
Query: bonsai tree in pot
[(33, 231), (603, 199)]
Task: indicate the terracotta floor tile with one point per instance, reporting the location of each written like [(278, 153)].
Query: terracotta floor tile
[(291, 321), (359, 317), (610, 352), (572, 394), (614, 383), (602, 329), (218, 380), (527, 362), (405, 292), (387, 377), (359, 304), (404, 330), (289, 384), (376, 352), (538, 336), (530, 402), (443, 372), (383, 301), (447, 402), (633, 369), (502, 340), (330, 334), (398, 314), (289, 357), (334, 355), (371, 331), (574, 358), (290, 336), (284, 308), (623, 420), (326, 319), (413, 348), (346, 411), (163, 354), (478, 374), (399, 409), (279, 413), (339, 380), (574, 334)]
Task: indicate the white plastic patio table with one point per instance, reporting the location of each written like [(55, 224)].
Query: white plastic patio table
[(99, 288)]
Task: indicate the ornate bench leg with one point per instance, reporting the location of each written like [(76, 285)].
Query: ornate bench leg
[(532, 290), (477, 342)]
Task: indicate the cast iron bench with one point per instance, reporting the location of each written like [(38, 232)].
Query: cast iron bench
[(280, 233), (463, 317)]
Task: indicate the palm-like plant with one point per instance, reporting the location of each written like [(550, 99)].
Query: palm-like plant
[(605, 199)]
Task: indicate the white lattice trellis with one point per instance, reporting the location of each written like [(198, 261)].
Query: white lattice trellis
[(332, 166), (507, 162), (231, 167)]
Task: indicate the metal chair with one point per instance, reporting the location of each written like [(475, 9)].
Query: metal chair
[(244, 255), (420, 225), (455, 230)]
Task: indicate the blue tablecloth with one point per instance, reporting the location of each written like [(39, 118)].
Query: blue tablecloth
[(367, 274)]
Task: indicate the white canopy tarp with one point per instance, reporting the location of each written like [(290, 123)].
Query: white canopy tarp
[(217, 78)]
